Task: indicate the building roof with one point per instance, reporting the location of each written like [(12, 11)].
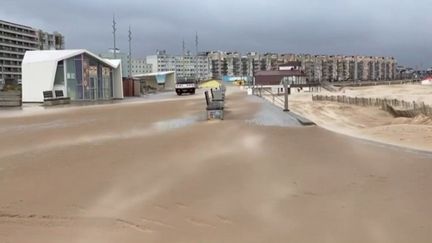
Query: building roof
[(18, 25), (291, 64), (280, 73), (59, 55), (152, 74), (114, 62)]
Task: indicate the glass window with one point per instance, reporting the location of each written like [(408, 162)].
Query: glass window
[(59, 76), (79, 77), (107, 82), (71, 79), (86, 79)]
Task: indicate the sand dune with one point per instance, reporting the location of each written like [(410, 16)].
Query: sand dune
[(407, 92), (370, 122)]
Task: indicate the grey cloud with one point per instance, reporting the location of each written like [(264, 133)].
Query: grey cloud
[(397, 28)]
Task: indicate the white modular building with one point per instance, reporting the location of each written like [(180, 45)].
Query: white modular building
[(158, 81), (80, 74)]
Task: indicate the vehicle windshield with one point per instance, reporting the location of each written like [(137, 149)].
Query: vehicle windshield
[(185, 81)]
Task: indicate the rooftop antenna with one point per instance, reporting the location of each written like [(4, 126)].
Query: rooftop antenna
[(130, 52), (114, 36)]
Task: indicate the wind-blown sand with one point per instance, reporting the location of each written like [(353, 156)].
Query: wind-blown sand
[(408, 92), (370, 122), (158, 172)]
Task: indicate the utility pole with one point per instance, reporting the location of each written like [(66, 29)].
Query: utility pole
[(286, 92), (197, 74), (183, 59), (130, 52), (114, 36)]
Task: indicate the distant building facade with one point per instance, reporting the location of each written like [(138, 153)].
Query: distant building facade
[(349, 68), (186, 66), (48, 41), (317, 68), (16, 39), (140, 66)]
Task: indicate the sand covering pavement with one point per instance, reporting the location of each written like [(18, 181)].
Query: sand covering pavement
[(158, 172), (212, 84)]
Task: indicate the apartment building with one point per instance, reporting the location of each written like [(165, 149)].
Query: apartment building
[(186, 66), (317, 68), (140, 66), (218, 63), (234, 64), (237, 65), (48, 41), (254, 64), (349, 68), (15, 40)]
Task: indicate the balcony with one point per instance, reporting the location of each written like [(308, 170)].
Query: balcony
[(11, 58), (35, 42), (27, 47), (17, 32)]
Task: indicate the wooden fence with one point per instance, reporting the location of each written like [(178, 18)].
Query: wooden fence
[(10, 99), (374, 83), (398, 108)]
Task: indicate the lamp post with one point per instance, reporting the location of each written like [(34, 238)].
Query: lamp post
[(286, 88), (130, 52)]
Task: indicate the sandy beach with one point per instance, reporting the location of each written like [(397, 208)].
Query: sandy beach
[(371, 123), (408, 92), (159, 172)]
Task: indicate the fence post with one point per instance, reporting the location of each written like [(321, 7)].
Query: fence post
[(424, 108)]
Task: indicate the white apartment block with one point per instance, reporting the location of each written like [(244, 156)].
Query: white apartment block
[(187, 66), (317, 68), (48, 41), (140, 66), (15, 40)]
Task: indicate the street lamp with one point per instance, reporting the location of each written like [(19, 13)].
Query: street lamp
[(286, 92)]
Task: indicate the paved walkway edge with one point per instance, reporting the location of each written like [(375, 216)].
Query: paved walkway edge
[(304, 121)]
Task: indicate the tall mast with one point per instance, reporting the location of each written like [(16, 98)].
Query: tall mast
[(130, 52), (197, 74), (183, 59), (114, 36)]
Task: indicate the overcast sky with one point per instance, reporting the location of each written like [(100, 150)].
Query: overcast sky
[(399, 28)]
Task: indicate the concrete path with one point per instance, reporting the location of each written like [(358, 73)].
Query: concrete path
[(270, 115)]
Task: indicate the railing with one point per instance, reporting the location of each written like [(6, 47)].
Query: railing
[(266, 93)]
